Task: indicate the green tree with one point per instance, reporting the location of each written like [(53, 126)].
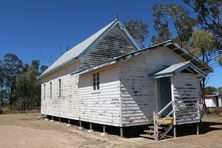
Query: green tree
[(27, 91), (35, 64), (179, 18), (202, 45), (12, 66), (138, 30), (3, 96), (19, 86), (209, 90), (161, 25), (43, 68), (209, 16), (219, 90), (2, 88)]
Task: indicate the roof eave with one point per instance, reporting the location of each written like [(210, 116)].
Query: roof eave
[(122, 27), (56, 68), (209, 69)]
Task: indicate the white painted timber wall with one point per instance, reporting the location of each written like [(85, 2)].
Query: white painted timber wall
[(137, 87), (126, 96), (101, 106), (67, 105), (186, 89)]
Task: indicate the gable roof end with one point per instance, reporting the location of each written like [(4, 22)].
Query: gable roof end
[(183, 53), (79, 49), (177, 68)]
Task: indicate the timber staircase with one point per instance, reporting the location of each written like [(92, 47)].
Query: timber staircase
[(161, 125)]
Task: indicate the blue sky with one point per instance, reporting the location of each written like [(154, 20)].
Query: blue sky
[(42, 29)]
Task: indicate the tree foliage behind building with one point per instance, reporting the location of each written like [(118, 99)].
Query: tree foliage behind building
[(19, 87)]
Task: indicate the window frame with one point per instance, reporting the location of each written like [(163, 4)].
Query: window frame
[(96, 81), (50, 90), (44, 89), (60, 87)]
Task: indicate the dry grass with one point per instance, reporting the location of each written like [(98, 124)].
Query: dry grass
[(25, 130)]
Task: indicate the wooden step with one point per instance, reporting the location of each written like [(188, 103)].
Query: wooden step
[(146, 136), (149, 131), (152, 132), (168, 121), (152, 127)]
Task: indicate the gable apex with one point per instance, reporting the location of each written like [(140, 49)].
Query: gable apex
[(81, 48)]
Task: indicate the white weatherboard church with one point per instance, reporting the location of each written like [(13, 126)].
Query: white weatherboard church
[(107, 79)]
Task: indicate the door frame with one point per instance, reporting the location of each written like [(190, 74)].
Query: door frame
[(158, 106)]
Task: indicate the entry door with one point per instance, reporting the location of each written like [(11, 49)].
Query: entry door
[(165, 93)]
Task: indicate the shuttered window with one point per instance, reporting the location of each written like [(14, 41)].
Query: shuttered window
[(96, 81)]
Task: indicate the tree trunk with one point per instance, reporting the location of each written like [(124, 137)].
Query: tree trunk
[(203, 95)]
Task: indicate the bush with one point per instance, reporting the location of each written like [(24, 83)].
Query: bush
[(215, 110)]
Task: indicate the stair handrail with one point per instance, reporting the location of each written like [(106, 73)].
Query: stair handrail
[(157, 124), (165, 107)]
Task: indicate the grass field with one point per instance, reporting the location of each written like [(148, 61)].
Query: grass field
[(26, 130)]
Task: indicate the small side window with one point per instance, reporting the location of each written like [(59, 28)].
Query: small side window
[(60, 88), (50, 90), (96, 81), (44, 89)]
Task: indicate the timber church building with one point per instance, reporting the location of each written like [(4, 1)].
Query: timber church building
[(108, 80)]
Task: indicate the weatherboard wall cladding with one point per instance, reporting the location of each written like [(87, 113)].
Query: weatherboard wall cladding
[(186, 93), (115, 43), (137, 86), (66, 105), (103, 105)]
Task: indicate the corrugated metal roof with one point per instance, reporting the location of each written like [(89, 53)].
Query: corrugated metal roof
[(171, 69), (176, 68), (74, 52), (80, 48)]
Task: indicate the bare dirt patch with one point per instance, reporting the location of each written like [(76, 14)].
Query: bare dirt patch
[(25, 131)]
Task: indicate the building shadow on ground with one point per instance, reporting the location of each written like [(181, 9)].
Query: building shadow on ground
[(205, 127), (135, 131)]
